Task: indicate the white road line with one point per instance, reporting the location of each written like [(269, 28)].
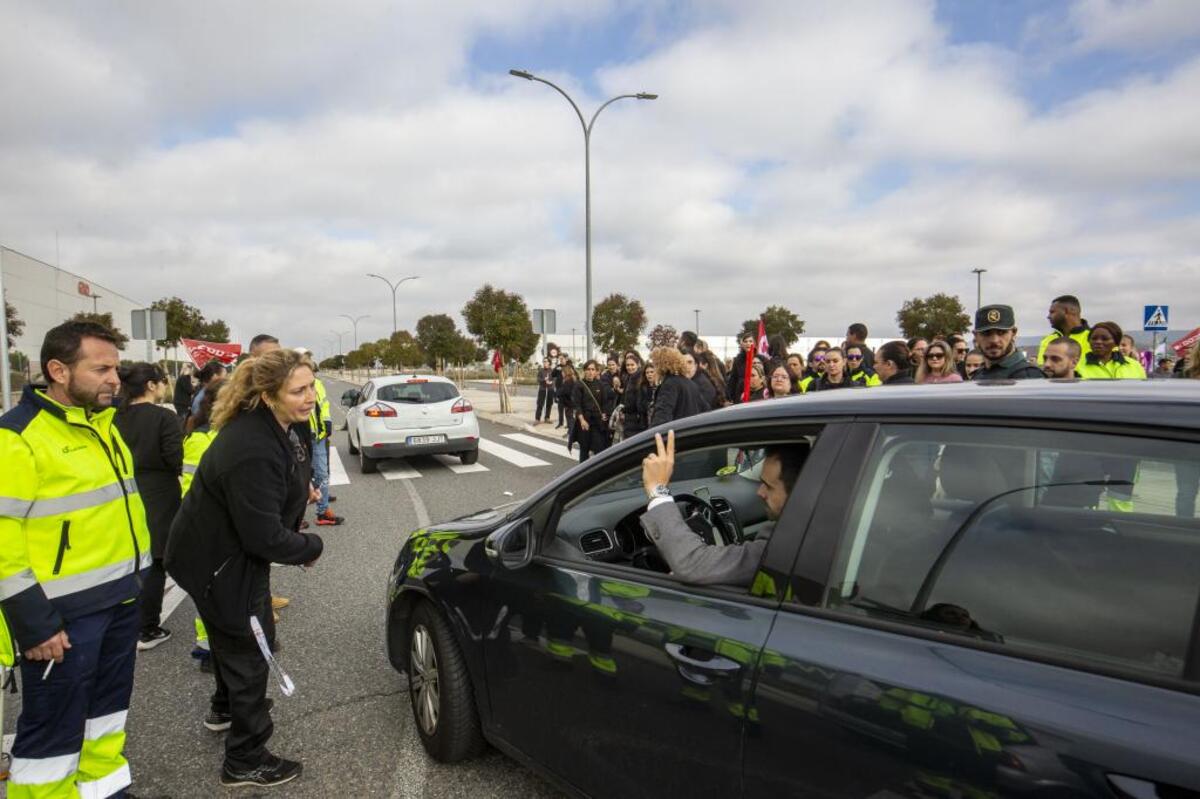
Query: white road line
[(458, 467), (172, 597), (515, 457), (418, 506), (337, 469), (398, 470), (537, 442)]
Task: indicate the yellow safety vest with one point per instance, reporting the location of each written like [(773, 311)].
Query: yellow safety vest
[(1080, 334), (320, 414), (1118, 368), (867, 377), (194, 446), (73, 533)]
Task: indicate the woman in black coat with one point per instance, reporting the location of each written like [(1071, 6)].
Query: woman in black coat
[(156, 441), (635, 401), (185, 389), (676, 397), (593, 402), (564, 394), (704, 385), (242, 514)]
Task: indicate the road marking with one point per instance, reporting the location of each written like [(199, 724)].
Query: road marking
[(337, 469), (541, 443), (418, 506), (458, 467), (513, 456), (171, 599), (398, 470)]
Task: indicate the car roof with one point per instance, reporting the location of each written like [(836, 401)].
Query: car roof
[(1149, 403), (391, 380)]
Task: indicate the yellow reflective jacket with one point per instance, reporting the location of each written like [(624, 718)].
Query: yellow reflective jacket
[(867, 377), (1080, 334), (194, 447), (319, 420), (1118, 368), (73, 533)]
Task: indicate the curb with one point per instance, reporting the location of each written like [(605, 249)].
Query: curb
[(517, 424)]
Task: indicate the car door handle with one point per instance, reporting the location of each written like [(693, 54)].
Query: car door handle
[(701, 669)]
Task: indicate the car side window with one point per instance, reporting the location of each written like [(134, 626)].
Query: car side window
[(716, 488), (367, 393), (1066, 545)]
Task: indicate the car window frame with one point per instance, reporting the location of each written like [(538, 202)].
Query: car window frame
[(816, 558), (782, 550)]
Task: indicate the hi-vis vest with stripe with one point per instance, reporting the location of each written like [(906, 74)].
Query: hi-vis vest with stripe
[(194, 446), (320, 413), (73, 532)]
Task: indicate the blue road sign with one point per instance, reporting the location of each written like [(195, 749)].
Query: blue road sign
[(1155, 317)]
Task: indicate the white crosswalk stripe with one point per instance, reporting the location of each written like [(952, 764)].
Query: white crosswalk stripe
[(458, 467), (337, 470), (513, 456), (398, 470), (544, 444)]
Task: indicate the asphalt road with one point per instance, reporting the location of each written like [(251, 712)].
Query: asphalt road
[(349, 720)]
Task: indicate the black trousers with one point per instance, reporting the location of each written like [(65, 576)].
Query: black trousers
[(562, 410), (241, 675), (545, 401), (592, 441), (154, 582)]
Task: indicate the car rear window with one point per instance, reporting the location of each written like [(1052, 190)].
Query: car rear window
[(1068, 545), (418, 393)]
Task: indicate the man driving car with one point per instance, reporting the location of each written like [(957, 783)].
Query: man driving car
[(690, 558)]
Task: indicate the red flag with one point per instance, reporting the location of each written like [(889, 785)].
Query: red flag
[(1187, 341), (764, 347), (750, 359), (497, 361), (201, 352)]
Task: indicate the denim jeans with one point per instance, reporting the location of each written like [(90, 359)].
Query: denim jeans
[(320, 464)]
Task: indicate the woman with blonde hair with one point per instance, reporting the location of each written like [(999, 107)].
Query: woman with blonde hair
[(938, 364), (241, 514), (675, 396)]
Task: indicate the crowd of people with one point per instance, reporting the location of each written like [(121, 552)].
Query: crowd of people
[(104, 491), (627, 394)]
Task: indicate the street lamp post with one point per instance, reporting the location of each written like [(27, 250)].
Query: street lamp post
[(978, 287), (95, 307), (697, 312), (339, 339), (587, 180), (393, 287), (354, 320)]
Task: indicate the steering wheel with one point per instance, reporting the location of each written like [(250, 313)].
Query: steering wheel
[(700, 516)]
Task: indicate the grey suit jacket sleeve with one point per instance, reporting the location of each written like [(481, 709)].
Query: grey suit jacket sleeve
[(693, 561)]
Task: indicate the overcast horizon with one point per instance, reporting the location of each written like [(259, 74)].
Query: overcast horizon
[(259, 159)]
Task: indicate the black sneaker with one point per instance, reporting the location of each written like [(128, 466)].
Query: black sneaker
[(152, 638), (273, 771), (220, 720)]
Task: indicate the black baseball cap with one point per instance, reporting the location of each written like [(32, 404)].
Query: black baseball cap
[(994, 317)]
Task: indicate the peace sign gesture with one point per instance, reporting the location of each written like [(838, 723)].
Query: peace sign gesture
[(658, 465)]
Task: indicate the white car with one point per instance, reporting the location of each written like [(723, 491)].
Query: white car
[(402, 415)]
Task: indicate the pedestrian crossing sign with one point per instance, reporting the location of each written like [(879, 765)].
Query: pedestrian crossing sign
[(1155, 318)]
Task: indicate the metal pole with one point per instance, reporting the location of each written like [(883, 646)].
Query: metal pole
[(978, 287), (5, 378), (354, 320), (393, 287), (697, 312)]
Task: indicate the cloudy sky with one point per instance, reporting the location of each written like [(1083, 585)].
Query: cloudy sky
[(258, 158)]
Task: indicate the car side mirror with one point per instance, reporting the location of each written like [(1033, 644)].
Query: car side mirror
[(511, 546), (350, 397)]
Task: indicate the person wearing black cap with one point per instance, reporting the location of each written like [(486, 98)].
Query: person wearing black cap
[(995, 336)]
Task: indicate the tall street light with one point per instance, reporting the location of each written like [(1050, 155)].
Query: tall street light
[(354, 320), (697, 312), (587, 178), (339, 338), (393, 287), (978, 287)]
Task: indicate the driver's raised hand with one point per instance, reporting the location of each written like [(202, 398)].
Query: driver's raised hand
[(658, 465)]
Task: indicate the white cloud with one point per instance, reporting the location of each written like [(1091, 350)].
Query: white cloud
[(1133, 24)]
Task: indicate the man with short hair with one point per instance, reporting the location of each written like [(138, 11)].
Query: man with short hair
[(692, 560), (263, 342), (1066, 317), (73, 544), (995, 337), (856, 336), (892, 364), (1060, 358)]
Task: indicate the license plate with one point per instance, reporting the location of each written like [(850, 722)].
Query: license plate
[(426, 439)]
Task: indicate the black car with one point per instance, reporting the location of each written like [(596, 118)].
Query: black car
[(972, 591)]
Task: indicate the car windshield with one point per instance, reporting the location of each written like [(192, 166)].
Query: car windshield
[(418, 393)]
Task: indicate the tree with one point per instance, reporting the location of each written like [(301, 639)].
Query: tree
[(500, 321), (662, 336), (183, 320), (778, 321), (617, 321), (401, 348), (439, 338), (937, 316), (13, 323), (215, 330), (104, 320), (336, 362)]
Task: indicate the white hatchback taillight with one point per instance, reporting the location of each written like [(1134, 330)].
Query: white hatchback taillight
[(380, 411), (462, 406)]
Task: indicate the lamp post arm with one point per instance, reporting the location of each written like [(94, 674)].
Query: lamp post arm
[(606, 105), (582, 123)]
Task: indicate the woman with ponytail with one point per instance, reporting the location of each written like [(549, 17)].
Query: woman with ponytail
[(242, 513), (156, 442)]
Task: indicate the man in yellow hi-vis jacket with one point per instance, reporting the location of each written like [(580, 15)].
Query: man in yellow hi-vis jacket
[(73, 541)]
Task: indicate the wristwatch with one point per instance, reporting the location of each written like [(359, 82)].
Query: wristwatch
[(659, 490)]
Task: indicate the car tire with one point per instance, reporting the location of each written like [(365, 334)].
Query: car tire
[(469, 457), (350, 443), (367, 465), (440, 691)]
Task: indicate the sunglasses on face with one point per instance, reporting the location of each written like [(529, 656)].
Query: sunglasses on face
[(853, 357), (935, 356), (818, 358), (960, 350)]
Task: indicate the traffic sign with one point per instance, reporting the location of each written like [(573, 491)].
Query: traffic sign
[(1155, 317)]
